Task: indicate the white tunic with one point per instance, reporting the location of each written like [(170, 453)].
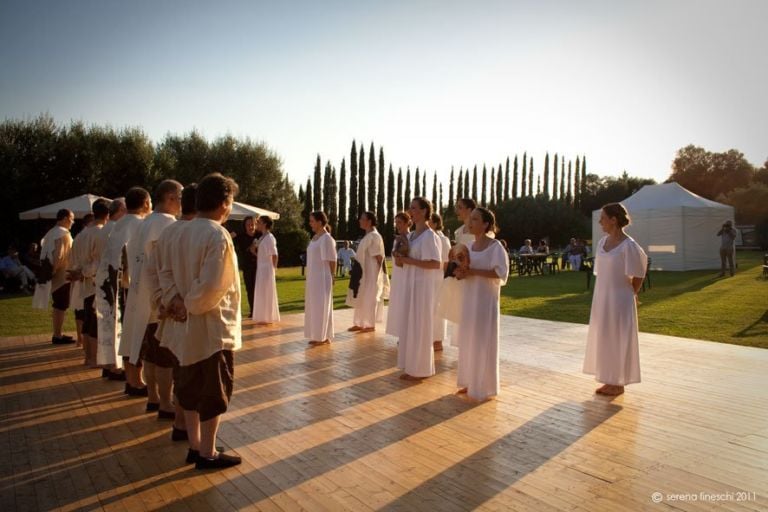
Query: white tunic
[(395, 311), (138, 307), (265, 307), (111, 272), (318, 291), (414, 351), (613, 353), (463, 236), (478, 330), (169, 259), (440, 324), (55, 247), (369, 303)]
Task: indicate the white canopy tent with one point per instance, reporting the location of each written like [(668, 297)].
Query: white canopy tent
[(242, 210), (80, 205), (675, 227)]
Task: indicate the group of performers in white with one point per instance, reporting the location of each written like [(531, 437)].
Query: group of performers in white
[(159, 298)]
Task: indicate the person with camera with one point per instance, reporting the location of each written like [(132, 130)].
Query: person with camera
[(727, 247)]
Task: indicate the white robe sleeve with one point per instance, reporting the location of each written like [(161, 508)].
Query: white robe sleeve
[(214, 280), (500, 262), (430, 251), (271, 246), (328, 249), (635, 260), (597, 252)]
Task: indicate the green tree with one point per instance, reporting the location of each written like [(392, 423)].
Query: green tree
[(555, 196), (450, 193), (499, 186), (583, 189), (389, 230), (361, 190), (514, 180), (407, 198), (434, 193), (506, 181), (577, 185), (483, 201), (354, 207), (474, 183), (530, 178), (372, 205), (711, 174), (343, 213), (317, 190), (524, 180), (309, 205), (417, 185), (569, 192), (562, 179), (460, 186), (380, 206), (400, 203), (466, 183), (546, 175), (327, 191)]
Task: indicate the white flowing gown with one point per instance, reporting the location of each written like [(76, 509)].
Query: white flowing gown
[(613, 353), (395, 310), (478, 330), (265, 308), (369, 303), (414, 352), (440, 324), (318, 291)]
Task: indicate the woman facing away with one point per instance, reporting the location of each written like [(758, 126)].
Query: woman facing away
[(318, 292), (613, 354), (478, 328), (266, 310), (395, 311), (421, 267)]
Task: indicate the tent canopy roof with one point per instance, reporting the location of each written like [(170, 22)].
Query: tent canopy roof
[(242, 210), (80, 205), (667, 195)]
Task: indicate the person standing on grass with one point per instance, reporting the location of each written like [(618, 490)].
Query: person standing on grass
[(422, 267), (727, 247), (266, 310), (86, 253), (140, 325), (369, 302), (441, 324), (52, 282), (478, 329), (318, 291), (246, 259), (613, 354), (207, 299)]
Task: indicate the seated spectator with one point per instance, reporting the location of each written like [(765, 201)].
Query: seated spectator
[(31, 258), (575, 252), (543, 248), (12, 269), (527, 247)]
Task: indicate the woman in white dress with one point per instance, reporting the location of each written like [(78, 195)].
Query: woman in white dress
[(613, 354), (265, 310), (369, 302), (395, 311), (440, 324), (464, 208), (478, 329), (318, 292), (421, 267)]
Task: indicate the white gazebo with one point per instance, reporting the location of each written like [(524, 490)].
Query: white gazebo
[(676, 227), (242, 210), (80, 206)]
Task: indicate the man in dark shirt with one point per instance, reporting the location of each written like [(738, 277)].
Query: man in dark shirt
[(245, 258)]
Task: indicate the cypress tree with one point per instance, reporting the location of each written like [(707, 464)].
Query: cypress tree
[(460, 186), (407, 197), (450, 192), (562, 179), (474, 183), (434, 193), (440, 205), (327, 190), (343, 213), (538, 185), (530, 179), (400, 204), (577, 185), (485, 186), (317, 204), (499, 189), (524, 188), (514, 180), (308, 204), (417, 185), (424, 183), (380, 206), (361, 190), (467, 190), (554, 180), (390, 225), (372, 206), (301, 196), (333, 189), (546, 176), (506, 181), (354, 209), (583, 191), (569, 193), (492, 193)]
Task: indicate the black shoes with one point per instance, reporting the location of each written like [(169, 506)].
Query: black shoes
[(194, 455), (221, 461), (152, 407), (179, 435), (132, 391), (166, 415), (62, 340)]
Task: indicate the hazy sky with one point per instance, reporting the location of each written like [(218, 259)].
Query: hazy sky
[(437, 83)]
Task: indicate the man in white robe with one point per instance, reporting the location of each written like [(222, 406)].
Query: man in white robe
[(140, 324)]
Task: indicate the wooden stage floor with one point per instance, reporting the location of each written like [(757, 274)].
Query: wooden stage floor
[(333, 428)]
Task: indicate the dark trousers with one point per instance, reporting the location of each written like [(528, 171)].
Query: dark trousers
[(249, 275), (726, 255)]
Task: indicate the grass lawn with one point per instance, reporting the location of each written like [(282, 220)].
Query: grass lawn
[(689, 304)]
